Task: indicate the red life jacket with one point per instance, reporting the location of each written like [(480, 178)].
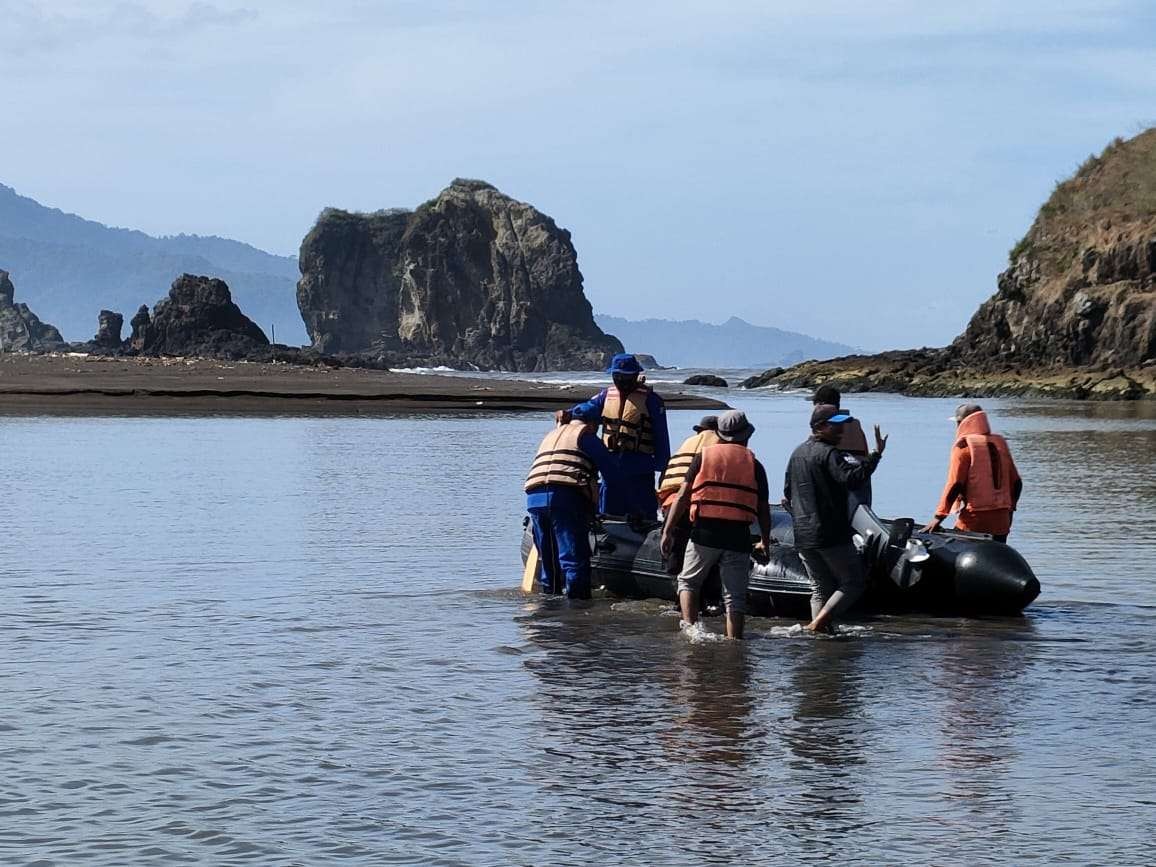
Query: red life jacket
[(989, 476), (726, 486)]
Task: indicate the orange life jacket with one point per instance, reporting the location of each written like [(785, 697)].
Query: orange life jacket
[(561, 461), (990, 475), (726, 485), (626, 424), (680, 461)]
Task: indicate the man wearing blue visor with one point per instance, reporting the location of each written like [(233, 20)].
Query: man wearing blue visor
[(633, 428), (819, 477)]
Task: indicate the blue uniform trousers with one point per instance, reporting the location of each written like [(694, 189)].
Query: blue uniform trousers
[(561, 523), (633, 496)]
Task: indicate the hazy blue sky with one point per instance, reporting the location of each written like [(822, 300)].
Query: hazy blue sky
[(855, 169)]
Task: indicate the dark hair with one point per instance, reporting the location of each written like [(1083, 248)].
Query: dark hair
[(826, 394)]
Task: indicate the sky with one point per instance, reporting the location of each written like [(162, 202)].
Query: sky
[(851, 169)]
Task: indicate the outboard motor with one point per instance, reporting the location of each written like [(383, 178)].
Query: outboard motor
[(889, 547)]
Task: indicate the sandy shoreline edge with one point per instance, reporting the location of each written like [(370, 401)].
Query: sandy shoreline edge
[(90, 385)]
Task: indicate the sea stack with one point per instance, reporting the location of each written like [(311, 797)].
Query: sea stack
[(198, 318), (109, 326), (20, 329), (471, 278)]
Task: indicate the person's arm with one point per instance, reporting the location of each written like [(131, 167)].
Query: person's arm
[(680, 506), (786, 501), (764, 506), (853, 472), (1017, 483), (953, 489), (564, 416), (656, 406)]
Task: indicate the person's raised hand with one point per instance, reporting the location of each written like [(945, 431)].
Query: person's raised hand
[(880, 440)]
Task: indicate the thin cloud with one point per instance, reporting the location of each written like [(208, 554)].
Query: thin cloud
[(32, 27)]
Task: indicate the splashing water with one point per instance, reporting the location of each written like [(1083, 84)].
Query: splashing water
[(697, 633)]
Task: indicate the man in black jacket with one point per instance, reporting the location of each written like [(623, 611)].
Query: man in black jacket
[(852, 441), (819, 477)]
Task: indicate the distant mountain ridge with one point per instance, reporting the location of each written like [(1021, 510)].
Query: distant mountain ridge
[(69, 268), (734, 343)]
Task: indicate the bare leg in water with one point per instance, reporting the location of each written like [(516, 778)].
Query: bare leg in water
[(735, 624), (822, 621), (688, 602)]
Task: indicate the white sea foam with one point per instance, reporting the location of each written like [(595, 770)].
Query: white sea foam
[(798, 630), (696, 633)]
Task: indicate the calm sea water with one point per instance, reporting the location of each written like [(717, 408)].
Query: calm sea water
[(295, 641)]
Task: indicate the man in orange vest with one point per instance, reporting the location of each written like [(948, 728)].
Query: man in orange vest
[(561, 489), (705, 434), (725, 490), (983, 484)]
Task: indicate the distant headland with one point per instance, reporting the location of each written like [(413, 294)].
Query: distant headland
[(1075, 312)]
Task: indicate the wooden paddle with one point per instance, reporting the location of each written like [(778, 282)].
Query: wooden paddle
[(530, 573)]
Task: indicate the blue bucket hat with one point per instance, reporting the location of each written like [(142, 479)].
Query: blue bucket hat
[(624, 362)]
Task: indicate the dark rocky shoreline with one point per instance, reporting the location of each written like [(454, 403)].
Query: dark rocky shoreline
[(941, 373)]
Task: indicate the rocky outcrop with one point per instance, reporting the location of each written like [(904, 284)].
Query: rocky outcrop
[(141, 325), (108, 330), (705, 379), (649, 362), (198, 318), (1080, 289), (471, 278), (939, 373), (20, 329), (1074, 314)]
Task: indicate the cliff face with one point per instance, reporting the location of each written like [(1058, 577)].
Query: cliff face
[(20, 328), (472, 277), (1075, 311), (1081, 287)]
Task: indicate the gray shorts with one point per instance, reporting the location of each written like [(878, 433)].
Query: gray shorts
[(734, 569)]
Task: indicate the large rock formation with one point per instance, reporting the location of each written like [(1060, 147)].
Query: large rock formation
[(1081, 287), (472, 277), (20, 329), (198, 318), (109, 326), (1075, 311)]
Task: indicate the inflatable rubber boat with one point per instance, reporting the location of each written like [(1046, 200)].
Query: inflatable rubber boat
[(945, 573)]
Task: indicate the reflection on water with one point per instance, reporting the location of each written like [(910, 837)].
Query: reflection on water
[(293, 641)]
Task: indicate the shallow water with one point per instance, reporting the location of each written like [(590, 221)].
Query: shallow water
[(294, 641)]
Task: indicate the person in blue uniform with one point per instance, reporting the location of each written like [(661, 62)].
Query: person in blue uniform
[(560, 496), (633, 429)]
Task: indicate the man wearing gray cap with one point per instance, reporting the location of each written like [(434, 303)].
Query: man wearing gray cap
[(705, 434), (725, 490), (819, 476)]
